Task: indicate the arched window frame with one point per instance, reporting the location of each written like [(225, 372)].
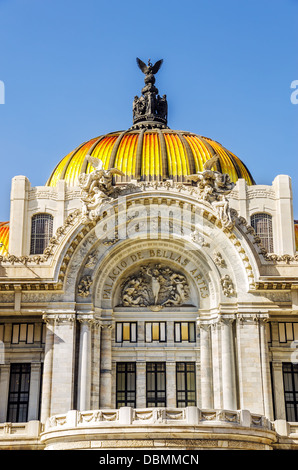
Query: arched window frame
[(41, 232), (263, 228)]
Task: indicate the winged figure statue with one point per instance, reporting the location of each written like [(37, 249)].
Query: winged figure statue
[(100, 177), (149, 69), (206, 168)]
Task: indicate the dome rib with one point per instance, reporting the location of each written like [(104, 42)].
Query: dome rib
[(150, 154)]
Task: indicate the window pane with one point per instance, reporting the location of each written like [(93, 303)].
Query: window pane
[(15, 334), (148, 332), (289, 331), (192, 332), (2, 332), (41, 232), (126, 384), (295, 330), (290, 376), (23, 332), (184, 331), (133, 332), (126, 332), (262, 223), (177, 332), (118, 332), (162, 327), (18, 392), (155, 331), (282, 332)]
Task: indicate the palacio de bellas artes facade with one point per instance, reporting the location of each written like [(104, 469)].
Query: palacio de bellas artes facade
[(149, 297)]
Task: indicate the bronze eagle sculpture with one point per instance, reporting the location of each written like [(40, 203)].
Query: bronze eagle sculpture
[(149, 69)]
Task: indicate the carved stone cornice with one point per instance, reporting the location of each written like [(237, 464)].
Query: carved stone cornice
[(252, 317), (59, 318), (90, 319)]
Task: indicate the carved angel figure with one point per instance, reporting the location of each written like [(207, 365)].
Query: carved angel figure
[(96, 187), (214, 186)]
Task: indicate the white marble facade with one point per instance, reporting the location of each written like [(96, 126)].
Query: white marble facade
[(234, 292)]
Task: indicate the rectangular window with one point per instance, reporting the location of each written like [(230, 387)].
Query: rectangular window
[(155, 331), (126, 384), (126, 332), (156, 384), (184, 331), (287, 331), (185, 384), (18, 398), (22, 333), (1, 332), (290, 376)]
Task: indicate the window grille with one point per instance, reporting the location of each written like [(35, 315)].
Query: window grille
[(156, 384), (18, 399), (262, 224), (41, 233), (126, 384), (185, 384), (290, 376)]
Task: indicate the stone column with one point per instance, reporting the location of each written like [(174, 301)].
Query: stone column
[(216, 364), (62, 393), (95, 364), (267, 391), (84, 373), (228, 365), (34, 391), (4, 390), (105, 399), (206, 366), (171, 384), (141, 380), (47, 371), (279, 396)]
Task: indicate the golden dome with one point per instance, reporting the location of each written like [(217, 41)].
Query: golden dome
[(4, 237), (147, 154)]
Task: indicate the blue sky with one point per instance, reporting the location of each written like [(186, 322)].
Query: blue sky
[(70, 74)]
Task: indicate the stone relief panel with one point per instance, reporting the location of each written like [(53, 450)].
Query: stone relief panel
[(155, 286)]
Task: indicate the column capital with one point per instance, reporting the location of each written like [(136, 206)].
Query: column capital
[(90, 319), (55, 318), (252, 317)]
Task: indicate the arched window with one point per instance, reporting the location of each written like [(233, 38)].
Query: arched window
[(41, 232), (262, 223)]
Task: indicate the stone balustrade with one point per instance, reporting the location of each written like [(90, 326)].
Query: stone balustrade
[(150, 416), (154, 428)]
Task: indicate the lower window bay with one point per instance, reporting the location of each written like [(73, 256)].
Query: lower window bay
[(155, 384)]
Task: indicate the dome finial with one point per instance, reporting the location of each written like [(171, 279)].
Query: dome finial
[(150, 107)]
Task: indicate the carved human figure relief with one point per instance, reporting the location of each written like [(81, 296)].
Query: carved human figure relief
[(84, 286), (96, 187), (213, 187), (154, 286), (227, 286)]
